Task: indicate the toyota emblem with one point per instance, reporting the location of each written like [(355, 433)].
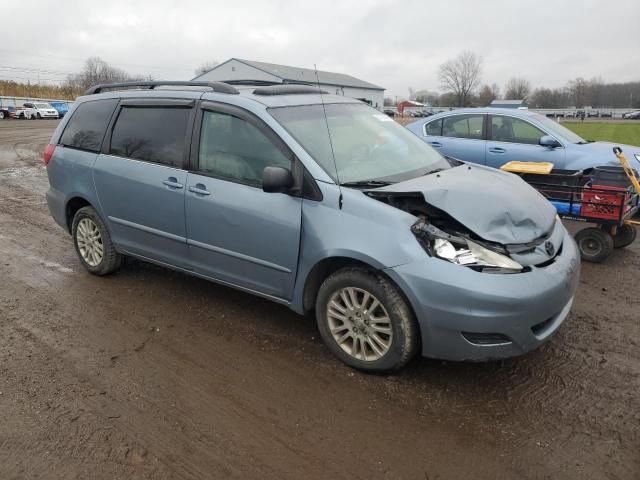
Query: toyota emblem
[(548, 246)]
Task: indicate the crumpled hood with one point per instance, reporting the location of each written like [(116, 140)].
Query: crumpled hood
[(495, 205)]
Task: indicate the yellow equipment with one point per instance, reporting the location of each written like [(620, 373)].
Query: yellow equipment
[(540, 168), (630, 173)]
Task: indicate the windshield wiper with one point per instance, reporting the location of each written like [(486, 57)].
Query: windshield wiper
[(366, 183)]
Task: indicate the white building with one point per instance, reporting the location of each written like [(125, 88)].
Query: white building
[(335, 83)]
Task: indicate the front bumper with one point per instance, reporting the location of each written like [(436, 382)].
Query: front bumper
[(501, 315)]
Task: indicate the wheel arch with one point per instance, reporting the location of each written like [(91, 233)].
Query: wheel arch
[(73, 205), (327, 266)]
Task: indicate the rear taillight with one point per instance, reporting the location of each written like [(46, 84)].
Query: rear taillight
[(48, 153)]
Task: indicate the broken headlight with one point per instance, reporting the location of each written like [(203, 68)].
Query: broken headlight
[(462, 251)]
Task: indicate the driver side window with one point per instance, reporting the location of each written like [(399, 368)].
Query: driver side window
[(233, 149)]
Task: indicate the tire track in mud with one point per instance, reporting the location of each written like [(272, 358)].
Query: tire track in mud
[(153, 374)]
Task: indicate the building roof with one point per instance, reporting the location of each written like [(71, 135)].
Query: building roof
[(307, 75), (508, 103)]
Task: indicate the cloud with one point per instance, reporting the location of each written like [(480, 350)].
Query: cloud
[(396, 44)]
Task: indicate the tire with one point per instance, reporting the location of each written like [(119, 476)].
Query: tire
[(38, 116), (1, 115), (595, 245), (625, 236), (394, 349), (82, 228)]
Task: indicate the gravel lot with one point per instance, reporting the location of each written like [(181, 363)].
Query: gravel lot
[(153, 374)]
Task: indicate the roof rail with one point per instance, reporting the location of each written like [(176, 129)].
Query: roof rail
[(219, 87), (289, 89), (252, 83)]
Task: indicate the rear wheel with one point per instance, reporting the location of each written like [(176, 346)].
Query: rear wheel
[(93, 243), (625, 236), (595, 245), (1, 115), (365, 322)]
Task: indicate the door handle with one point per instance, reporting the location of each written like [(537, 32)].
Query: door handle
[(172, 182), (497, 150), (435, 144), (199, 189)]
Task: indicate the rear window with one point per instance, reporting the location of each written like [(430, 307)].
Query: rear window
[(153, 134), (87, 126)]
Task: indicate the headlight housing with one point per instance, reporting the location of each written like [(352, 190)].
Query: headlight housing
[(637, 155), (462, 251)]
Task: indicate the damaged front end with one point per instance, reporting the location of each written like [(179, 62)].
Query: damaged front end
[(443, 237), (461, 250)]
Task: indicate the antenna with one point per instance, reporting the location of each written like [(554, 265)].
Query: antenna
[(326, 121)]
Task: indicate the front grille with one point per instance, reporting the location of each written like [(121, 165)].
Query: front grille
[(546, 263), (486, 338)]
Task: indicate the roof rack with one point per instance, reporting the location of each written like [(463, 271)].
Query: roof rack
[(252, 83), (219, 87), (289, 89)]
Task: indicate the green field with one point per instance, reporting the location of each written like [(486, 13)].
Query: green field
[(628, 133)]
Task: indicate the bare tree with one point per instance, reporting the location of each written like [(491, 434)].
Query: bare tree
[(460, 76), (579, 90), (96, 71), (517, 89), (206, 67), (487, 94)]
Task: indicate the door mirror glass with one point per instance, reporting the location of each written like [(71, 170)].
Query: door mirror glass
[(277, 180), (549, 141)]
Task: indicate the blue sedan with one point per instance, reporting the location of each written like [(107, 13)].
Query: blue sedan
[(495, 136)]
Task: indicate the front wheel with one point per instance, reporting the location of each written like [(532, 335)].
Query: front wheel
[(93, 243), (595, 245), (365, 321)]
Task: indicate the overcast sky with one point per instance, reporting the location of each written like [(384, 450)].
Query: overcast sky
[(395, 44)]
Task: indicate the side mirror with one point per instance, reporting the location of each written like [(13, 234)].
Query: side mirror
[(549, 141), (277, 180)]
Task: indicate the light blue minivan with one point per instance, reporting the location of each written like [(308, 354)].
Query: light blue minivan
[(495, 136), (320, 203)]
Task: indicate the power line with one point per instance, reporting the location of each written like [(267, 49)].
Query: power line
[(13, 52)]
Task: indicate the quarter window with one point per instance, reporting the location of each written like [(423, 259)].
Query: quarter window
[(87, 126), (153, 134), (433, 128), (233, 149), (463, 126), (514, 130)]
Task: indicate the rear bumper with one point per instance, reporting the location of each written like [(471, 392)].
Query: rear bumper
[(467, 315)]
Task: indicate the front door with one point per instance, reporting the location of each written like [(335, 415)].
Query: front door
[(511, 138), (236, 232), (141, 181)]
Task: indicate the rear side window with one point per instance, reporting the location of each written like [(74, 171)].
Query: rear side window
[(433, 128), (152, 134), (87, 126), (463, 126)]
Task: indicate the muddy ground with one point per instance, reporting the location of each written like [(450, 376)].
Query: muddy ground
[(153, 374)]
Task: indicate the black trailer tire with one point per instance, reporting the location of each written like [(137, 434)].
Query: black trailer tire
[(87, 230), (595, 245), (625, 236), (368, 345)]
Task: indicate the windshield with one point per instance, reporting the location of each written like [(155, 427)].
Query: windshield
[(42, 105), (367, 144), (556, 129)]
